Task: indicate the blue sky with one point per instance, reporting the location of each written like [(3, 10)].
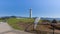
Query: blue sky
[(40, 8)]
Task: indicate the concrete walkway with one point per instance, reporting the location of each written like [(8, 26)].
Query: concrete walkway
[(6, 29)]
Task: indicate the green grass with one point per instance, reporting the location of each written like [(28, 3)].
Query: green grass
[(13, 22), (1, 20)]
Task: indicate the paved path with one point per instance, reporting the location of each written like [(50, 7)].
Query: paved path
[(6, 29)]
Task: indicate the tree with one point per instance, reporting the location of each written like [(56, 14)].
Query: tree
[(54, 21), (13, 16), (53, 25)]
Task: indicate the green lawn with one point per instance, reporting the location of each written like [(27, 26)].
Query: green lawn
[(13, 22)]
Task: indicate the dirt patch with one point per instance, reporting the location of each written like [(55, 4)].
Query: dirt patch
[(40, 28), (26, 26), (29, 26)]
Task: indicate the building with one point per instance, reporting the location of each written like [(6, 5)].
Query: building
[(30, 13)]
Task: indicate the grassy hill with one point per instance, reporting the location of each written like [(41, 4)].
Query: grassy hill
[(15, 22), (27, 24), (24, 23)]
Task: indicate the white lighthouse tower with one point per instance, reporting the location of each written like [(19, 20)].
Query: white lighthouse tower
[(30, 12)]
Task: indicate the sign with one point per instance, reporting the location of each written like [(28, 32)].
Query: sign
[(36, 22)]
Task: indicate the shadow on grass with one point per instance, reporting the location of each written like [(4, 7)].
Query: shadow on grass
[(26, 29)]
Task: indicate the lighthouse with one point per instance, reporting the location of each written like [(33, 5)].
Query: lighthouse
[(30, 12)]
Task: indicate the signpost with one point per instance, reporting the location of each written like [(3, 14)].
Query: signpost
[(36, 22)]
